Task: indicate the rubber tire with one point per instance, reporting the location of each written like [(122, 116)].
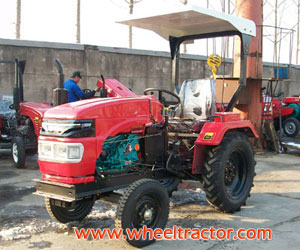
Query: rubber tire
[(19, 143), (65, 215), (214, 168), (296, 123), (127, 207), (170, 184)]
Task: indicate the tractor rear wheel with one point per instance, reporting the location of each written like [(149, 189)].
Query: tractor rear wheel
[(229, 172), (65, 215), (291, 127), (18, 152), (144, 203)]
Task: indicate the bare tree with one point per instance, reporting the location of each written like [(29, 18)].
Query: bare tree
[(275, 34), (298, 30), (78, 22), (18, 21), (131, 3)]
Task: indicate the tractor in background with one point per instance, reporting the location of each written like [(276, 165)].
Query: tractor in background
[(29, 115), (285, 111), (90, 149), (290, 113), (8, 123), (28, 120)]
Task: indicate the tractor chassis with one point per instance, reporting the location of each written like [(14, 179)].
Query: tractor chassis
[(5, 145), (69, 193)]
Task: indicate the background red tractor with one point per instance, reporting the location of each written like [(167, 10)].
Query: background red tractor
[(286, 111), (91, 148), (21, 130), (7, 122)]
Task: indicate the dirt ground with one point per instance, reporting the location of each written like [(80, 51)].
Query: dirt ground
[(274, 204)]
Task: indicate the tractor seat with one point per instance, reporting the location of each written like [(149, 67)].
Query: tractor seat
[(198, 99), (198, 102), (184, 125)]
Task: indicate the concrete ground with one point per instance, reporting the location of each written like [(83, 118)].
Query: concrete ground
[(274, 204)]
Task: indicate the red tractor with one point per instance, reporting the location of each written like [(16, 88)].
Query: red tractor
[(29, 116), (290, 111), (91, 148), (7, 122), (286, 111)]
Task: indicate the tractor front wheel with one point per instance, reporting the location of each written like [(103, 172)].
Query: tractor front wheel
[(170, 184), (18, 152), (64, 214), (229, 172), (291, 127), (144, 203)]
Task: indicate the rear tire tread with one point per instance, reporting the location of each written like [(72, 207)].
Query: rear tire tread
[(211, 171)]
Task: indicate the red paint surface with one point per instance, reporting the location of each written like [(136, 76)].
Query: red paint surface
[(115, 88), (220, 128), (289, 100), (68, 180), (33, 110)]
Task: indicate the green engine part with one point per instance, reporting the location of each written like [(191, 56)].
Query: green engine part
[(296, 107), (118, 152)]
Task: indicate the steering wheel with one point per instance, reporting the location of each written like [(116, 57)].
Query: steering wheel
[(86, 91), (165, 102), (276, 95)]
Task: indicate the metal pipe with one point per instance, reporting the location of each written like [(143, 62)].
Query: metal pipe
[(78, 22), (61, 73), (249, 105), (18, 21)]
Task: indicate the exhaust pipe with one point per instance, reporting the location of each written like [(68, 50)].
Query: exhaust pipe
[(61, 74), (18, 91), (103, 91), (60, 95)]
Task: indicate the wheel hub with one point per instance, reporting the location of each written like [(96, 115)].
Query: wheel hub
[(291, 128), (15, 152), (148, 214), (230, 173)]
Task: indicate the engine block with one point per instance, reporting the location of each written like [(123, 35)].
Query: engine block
[(119, 152)]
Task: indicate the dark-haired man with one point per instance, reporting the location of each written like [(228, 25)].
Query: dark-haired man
[(74, 91)]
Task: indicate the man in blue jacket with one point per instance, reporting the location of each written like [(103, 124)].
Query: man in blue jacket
[(74, 91)]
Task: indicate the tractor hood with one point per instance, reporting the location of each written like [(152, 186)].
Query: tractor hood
[(117, 107)]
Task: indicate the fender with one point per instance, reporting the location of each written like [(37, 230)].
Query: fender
[(212, 133), (35, 111)]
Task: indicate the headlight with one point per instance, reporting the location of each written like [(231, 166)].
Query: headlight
[(45, 150), (68, 128), (60, 152), (74, 153)]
